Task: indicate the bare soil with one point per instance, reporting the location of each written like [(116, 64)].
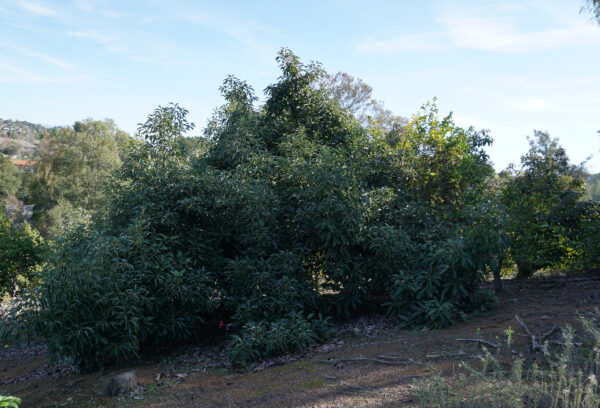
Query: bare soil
[(200, 377)]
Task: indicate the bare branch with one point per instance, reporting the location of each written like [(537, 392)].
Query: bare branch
[(487, 343)]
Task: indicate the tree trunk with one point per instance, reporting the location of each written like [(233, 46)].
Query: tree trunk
[(525, 270), (497, 278)]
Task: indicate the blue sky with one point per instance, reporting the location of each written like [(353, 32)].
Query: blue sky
[(507, 66)]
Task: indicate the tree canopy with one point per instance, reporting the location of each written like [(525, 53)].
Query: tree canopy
[(73, 163)]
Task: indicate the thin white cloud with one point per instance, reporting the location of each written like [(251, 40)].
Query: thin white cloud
[(254, 37), (409, 42), (40, 56), (96, 36), (501, 34), (36, 9), (96, 7), (150, 61), (544, 83), (562, 104), (22, 74), (25, 76), (476, 30)]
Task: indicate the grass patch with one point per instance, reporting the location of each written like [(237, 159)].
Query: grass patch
[(567, 378), (314, 382)]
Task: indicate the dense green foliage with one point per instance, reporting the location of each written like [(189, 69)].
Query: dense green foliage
[(73, 164), (288, 334), (547, 218), (282, 212), (21, 253), (10, 402), (10, 179)]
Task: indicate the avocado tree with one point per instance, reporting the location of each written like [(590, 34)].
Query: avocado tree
[(541, 197), (289, 214)]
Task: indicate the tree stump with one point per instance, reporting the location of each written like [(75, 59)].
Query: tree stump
[(122, 383)]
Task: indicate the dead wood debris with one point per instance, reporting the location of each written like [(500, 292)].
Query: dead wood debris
[(386, 359), (537, 345), (487, 343)]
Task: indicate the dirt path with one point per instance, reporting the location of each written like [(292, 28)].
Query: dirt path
[(308, 382)]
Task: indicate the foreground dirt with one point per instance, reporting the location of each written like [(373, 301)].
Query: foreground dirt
[(189, 378)]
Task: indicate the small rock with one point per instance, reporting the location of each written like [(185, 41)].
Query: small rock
[(122, 383)]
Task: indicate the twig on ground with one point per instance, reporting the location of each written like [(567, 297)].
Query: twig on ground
[(535, 344), (377, 343), (387, 359), (459, 354), (361, 359), (487, 343)]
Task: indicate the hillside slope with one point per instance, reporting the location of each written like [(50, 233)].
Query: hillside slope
[(20, 138)]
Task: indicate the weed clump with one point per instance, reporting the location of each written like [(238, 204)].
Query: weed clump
[(568, 378)]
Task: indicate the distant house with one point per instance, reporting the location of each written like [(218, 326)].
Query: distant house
[(24, 164)]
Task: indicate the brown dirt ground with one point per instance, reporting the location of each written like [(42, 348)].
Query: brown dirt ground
[(541, 302)]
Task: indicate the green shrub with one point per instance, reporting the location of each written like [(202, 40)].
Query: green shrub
[(106, 298), (10, 402), (259, 340), (22, 251), (584, 235), (287, 211)]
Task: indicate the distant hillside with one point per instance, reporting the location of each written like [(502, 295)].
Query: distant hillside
[(20, 138)]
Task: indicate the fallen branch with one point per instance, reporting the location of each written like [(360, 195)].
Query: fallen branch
[(386, 359), (549, 333), (396, 357), (561, 343), (487, 343), (362, 359), (461, 355), (535, 344)]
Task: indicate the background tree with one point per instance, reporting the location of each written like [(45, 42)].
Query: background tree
[(354, 95), (10, 179), (21, 254), (540, 197), (73, 163), (593, 7)]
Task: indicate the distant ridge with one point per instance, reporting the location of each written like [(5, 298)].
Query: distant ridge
[(20, 139)]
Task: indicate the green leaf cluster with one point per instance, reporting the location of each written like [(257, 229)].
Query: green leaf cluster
[(10, 402), (22, 252), (11, 179), (548, 223)]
